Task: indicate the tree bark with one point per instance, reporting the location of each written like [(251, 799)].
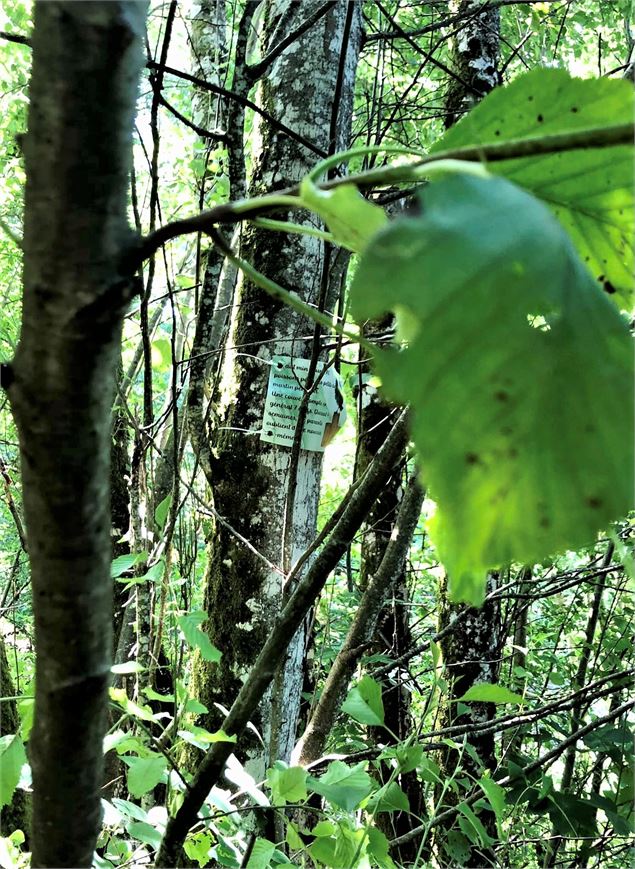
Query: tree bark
[(251, 478), (86, 62)]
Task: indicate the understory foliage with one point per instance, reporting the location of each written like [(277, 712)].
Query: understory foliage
[(494, 305)]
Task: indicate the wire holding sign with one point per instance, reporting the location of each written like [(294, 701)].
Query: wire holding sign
[(326, 412)]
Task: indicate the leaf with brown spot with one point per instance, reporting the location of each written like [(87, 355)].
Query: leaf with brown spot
[(517, 475)]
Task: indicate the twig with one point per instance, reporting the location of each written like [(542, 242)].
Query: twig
[(234, 212)]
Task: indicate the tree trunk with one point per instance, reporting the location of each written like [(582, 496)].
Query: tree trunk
[(243, 594), (86, 62)]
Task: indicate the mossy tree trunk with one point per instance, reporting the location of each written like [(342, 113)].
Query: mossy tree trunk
[(243, 594)]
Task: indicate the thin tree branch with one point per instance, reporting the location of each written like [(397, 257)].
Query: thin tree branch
[(255, 71), (545, 760), (449, 21), (245, 101), (233, 212), (311, 744), (429, 57), (17, 38), (215, 135), (264, 669)]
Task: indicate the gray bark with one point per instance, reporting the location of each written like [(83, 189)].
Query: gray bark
[(86, 62)]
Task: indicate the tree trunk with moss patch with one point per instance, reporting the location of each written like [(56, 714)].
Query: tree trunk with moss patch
[(243, 594)]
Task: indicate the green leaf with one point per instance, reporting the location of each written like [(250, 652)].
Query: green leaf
[(496, 798), (12, 759), (473, 827), (293, 839), (590, 190), (145, 833), (364, 703), (409, 757), (341, 848), (126, 562), (609, 738), (288, 785), (161, 513), (26, 709), (457, 847), (514, 344), (197, 847), (485, 692), (262, 852), (429, 771), (190, 626), (389, 798), (161, 352), (145, 773), (118, 695), (342, 785), (195, 706), (378, 847), (202, 738), (351, 219), (151, 694), (572, 816)]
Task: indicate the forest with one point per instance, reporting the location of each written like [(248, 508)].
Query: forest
[(316, 434)]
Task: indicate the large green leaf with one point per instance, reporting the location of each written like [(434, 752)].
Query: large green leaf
[(519, 371), (145, 773), (338, 845), (389, 798), (260, 857), (364, 702), (344, 786), (496, 797), (288, 784), (590, 190)]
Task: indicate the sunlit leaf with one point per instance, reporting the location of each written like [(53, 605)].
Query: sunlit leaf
[(12, 759), (288, 785), (145, 833), (590, 190), (484, 692), (145, 773), (261, 854), (520, 376), (351, 219), (344, 786)]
